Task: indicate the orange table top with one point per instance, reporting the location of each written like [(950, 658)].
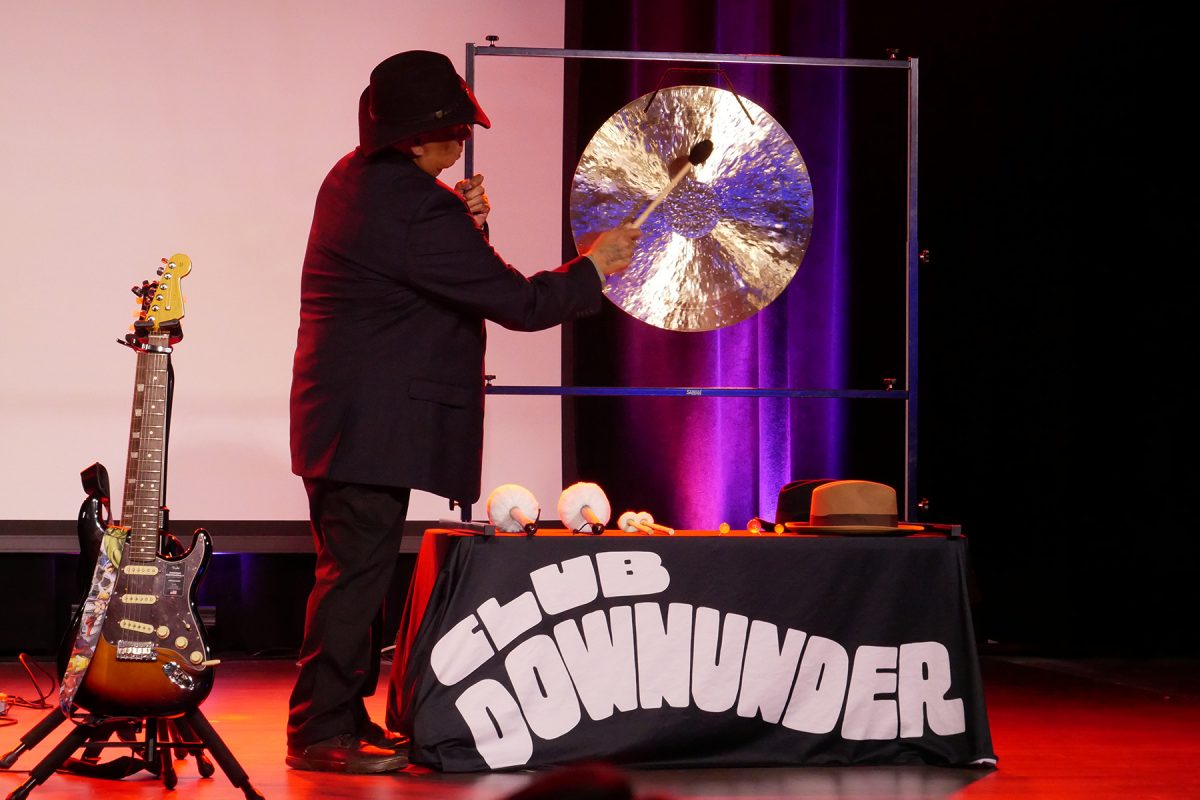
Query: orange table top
[(787, 534)]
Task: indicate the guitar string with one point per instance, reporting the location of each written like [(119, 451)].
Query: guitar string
[(154, 437), (147, 433)]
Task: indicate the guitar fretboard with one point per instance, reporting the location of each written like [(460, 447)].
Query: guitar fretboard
[(143, 498)]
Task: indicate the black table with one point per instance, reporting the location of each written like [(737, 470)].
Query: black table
[(689, 650)]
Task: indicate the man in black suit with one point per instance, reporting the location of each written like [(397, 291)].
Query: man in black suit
[(387, 390)]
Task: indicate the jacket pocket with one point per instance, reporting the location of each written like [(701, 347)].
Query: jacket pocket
[(441, 393)]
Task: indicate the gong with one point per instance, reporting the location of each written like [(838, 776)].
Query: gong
[(728, 238)]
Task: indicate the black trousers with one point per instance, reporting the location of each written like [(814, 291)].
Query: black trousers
[(357, 531)]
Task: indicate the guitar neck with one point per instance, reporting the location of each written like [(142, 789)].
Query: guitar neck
[(145, 468)]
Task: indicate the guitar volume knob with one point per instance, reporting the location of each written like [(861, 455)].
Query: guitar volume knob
[(163, 631), (195, 656), (181, 642)]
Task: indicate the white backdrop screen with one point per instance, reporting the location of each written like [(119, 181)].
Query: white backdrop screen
[(130, 131)]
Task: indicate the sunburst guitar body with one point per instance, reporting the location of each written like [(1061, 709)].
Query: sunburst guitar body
[(152, 659)]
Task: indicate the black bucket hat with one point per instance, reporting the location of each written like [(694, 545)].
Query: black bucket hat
[(412, 93)]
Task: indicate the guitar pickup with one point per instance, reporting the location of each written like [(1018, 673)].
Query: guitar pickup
[(139, 627), (138, 599)]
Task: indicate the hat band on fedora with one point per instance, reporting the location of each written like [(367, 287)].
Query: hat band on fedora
[(849, 520)]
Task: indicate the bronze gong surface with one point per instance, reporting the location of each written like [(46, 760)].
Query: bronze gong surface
[(728, 238)]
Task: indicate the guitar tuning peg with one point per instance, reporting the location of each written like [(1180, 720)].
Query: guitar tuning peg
[(163, 260), (159, 271), (137, 290)]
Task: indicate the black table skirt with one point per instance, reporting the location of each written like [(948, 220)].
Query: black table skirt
[(689, 650)]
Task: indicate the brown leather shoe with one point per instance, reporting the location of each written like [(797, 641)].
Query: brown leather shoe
[(380, 736), (346, 753)]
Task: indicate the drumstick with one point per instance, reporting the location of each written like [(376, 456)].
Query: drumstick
[(645, 518), (697, 155)]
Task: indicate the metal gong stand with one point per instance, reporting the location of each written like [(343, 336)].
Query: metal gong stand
[(907, 394)]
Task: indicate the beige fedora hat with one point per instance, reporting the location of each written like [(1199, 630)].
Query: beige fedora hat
[(853, 507)]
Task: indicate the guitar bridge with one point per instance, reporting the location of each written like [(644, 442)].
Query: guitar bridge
[(135, 651)]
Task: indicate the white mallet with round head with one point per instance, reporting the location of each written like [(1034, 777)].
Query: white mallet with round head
[(630, 522), (584, 505), (513, 508)]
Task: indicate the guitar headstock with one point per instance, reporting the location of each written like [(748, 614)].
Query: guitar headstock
[(162, 299)]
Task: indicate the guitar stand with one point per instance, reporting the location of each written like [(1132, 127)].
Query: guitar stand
[(165, 739)]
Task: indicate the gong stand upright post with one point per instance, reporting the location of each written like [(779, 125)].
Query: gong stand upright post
[(909, 392)]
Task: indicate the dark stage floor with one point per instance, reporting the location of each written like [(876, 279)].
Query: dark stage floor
[(1063, 729)]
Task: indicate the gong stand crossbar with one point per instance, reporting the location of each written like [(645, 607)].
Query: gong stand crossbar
[(696, 391), (909, 396)]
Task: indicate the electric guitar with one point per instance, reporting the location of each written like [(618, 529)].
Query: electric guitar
[(151, 658)]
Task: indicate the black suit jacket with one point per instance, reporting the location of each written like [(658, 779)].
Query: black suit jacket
[(387, 384)]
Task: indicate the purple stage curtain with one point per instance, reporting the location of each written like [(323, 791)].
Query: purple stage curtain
[(698, 462)]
